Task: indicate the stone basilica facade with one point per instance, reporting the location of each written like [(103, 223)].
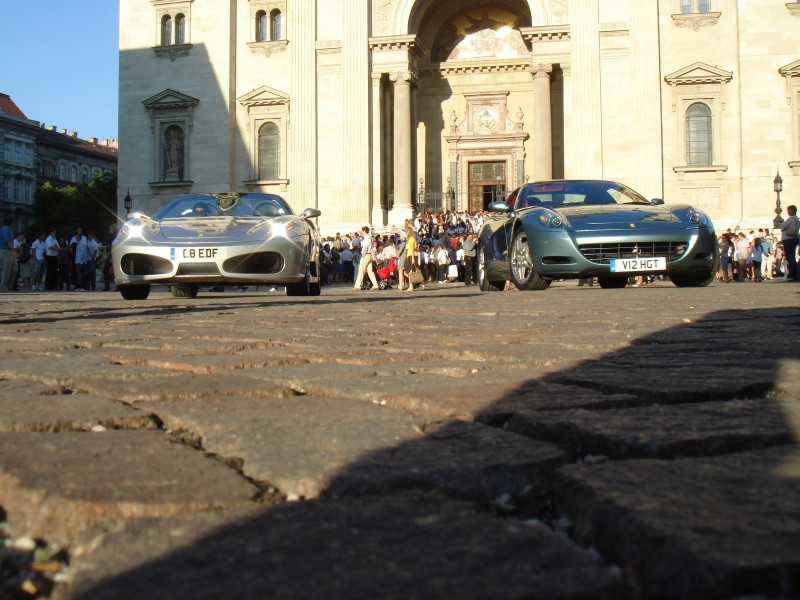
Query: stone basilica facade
[(372, 110)]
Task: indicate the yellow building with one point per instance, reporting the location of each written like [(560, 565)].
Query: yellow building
[(372, 110)]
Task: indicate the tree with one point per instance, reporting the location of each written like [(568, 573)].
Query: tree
[(91, 206)]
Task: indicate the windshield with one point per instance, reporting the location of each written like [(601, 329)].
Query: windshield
[(227, 205), (555, 194)]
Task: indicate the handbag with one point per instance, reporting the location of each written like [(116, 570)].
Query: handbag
[(415, 276)]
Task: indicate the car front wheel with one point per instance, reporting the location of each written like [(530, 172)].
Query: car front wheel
[(522, 271)]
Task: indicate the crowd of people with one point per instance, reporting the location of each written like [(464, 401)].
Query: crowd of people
[(431, 248), (50, 262), (760, 255)]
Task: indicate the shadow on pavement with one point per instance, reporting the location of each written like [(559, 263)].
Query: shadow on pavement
[(678, 478)]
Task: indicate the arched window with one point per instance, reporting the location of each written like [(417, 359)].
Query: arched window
[(62, 172), (166, 30), (180, 29), (85, 175), (275, 25), (73, 174), (698, 135), (262, 26), (269, 162)]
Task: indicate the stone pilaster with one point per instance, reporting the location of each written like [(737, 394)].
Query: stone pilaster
[(647, 158), (303, 132), (542, 123), (356, 107), (586, 139)]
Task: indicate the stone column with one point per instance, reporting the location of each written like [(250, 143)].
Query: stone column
[(302, 165), (542, 123), (403, 160)]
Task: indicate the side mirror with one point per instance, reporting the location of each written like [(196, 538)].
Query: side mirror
[(657, 201), (310, 213), (500, 207)]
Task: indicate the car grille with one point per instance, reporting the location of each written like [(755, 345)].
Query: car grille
[(603, 253), (144, 264), (255, 264)]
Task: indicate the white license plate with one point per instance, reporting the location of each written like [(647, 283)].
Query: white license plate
[(626, 265), (196, 254)]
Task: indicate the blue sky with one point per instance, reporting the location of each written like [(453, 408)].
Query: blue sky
[(60, 62)]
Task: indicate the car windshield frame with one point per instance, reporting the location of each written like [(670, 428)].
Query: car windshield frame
[(251, 205), (567, 194)]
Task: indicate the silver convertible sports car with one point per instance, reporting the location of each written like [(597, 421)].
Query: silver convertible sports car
[(573, 229), (218, 239)]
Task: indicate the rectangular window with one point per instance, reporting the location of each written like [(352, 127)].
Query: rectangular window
[(18, 153), (686, 6), (28, 155)]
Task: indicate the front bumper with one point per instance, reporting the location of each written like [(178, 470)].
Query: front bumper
[(559, 254), (280, 261)]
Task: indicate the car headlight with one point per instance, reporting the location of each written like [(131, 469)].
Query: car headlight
[(551, 219), (697, 217), (131, 229)]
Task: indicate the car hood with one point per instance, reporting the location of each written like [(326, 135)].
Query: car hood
[(213, 228), (638, 215)]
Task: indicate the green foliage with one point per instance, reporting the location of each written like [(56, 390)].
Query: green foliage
[(91, 206)]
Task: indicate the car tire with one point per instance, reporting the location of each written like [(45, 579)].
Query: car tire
[(483, 282), (183, 291), (612, 282), (134, 292), (523, 274)]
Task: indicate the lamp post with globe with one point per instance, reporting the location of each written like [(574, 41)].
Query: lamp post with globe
[(778, 187)]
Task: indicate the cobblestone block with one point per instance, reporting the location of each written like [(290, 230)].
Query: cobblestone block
[(54, 485)]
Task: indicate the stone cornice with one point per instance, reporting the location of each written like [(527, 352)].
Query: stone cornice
[(696, 20), (546, 33), (172, 52), (392, 43), (793, 8), (506, 65), (791, 70)]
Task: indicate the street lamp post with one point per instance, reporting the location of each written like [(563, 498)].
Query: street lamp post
[(778, 187), (128, 202)]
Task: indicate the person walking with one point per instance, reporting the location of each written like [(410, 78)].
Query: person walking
[(470, 255), (8, 258), (51, 252), (368, 248), (790, 230)]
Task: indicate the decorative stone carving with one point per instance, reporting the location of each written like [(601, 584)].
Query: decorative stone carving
[(696, 20), (793, 8), (268, 48), (172, 52)]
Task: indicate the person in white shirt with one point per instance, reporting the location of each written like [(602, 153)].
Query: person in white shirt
[(38, 265), (51, 259), (365, 264)]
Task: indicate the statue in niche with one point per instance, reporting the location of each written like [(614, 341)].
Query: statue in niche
[(173, 153)]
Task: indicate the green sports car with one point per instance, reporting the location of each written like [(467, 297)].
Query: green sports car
[(575, 229)]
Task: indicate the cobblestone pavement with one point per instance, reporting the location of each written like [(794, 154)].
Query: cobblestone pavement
[(571, 443)]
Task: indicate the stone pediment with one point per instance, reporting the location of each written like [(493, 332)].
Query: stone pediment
[(698, 73), (264, 96), (170, 99), (791, 70)]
